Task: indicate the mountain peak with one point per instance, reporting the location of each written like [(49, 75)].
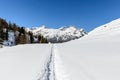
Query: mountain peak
[(62, 34)]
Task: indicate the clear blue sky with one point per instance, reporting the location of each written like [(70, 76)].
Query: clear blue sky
[(86, 14)]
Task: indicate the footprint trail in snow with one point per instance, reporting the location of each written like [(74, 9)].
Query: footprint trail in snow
[(53, 68)]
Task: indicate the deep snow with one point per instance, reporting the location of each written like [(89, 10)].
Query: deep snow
[(96, 56)]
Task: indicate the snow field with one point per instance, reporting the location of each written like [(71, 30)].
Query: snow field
[(23, 62), (93, 61)]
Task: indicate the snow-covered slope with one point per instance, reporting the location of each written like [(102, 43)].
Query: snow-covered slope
[(62, 34), (111, 28), (95, 56)]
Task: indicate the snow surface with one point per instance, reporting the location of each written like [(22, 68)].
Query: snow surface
[(95, 56), (23, 62)]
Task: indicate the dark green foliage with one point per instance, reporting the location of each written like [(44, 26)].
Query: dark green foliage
[(39, 38), (21, 39), (45, 40), (3, 24), (22, 30), (1, 34), (6, 35), (31, 37)]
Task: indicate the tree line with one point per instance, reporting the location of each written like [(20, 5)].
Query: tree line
[(10, 32)]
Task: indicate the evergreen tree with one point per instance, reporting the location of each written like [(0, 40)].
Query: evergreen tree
[(3, 24), (31, 37), (10, 26), (22, 30), (21, 39), (39, 38), (6, 35), (45, 40), (15, 27), (2, 34)]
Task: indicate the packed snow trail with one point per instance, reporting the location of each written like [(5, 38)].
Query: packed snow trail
[(49, 71), (53, 68)]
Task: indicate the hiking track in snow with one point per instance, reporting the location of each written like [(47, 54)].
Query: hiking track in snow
[(53, 68), (48, 72)]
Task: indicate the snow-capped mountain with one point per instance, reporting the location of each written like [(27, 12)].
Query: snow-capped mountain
[(62, 34)]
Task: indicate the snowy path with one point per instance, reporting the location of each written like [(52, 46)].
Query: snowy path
[(53, 68), (48, 70)]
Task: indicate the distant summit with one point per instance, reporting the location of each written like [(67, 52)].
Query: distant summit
[(62, 34)]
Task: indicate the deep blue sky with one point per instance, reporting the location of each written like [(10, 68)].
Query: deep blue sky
[(86, 14)]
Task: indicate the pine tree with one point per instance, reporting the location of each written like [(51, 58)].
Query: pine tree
[(6, 35), (22, 30), (39, 38), (31, 37), (21, 39), (3, 24), (10, 26), (45, 40), (2, 35), (15, 27)]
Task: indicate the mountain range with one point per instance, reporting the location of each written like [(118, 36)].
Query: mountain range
[(62, 34)]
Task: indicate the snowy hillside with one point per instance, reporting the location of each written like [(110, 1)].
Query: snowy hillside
[(110, 28), (62, 34), (95, 56)]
